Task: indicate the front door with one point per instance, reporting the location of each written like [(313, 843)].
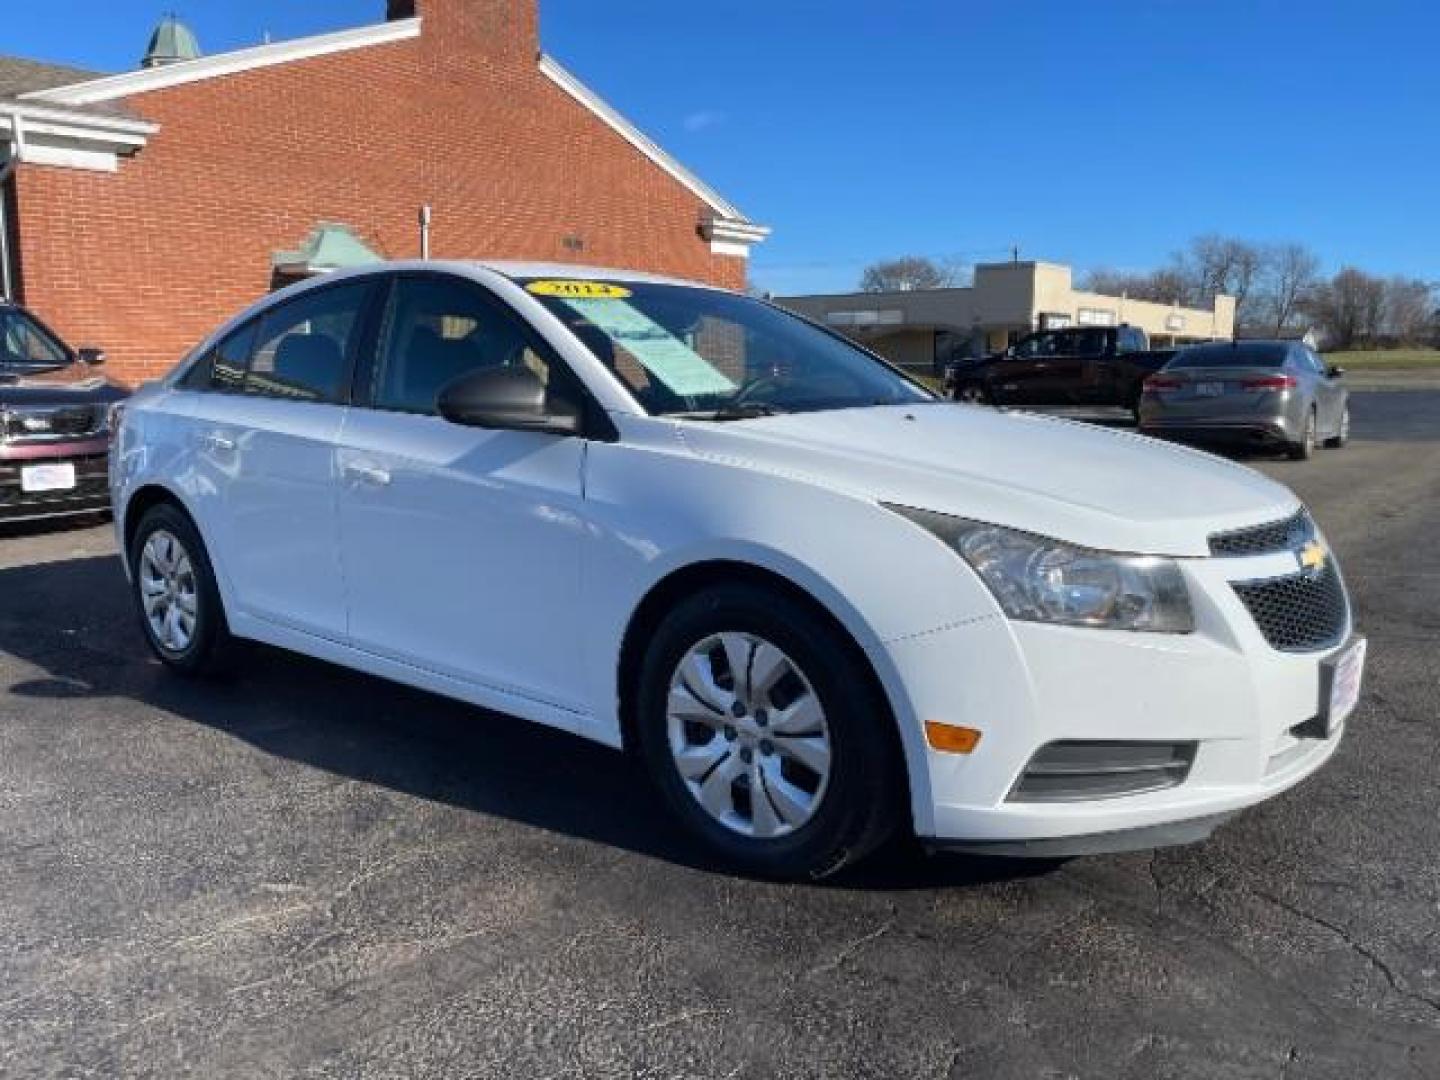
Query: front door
[(461, 546)]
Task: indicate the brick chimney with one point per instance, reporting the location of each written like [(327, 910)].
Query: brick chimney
[(499, 28)]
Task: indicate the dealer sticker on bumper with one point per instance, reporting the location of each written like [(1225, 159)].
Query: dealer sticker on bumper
[(1340, 680), (36, 478)]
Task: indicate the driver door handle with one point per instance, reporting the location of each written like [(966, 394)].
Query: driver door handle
[(366, 474), (215, 441)]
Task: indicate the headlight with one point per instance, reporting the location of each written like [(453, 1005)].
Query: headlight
[(1040, 580)]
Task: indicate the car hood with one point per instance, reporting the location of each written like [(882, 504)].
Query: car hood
[(1092, 486), (74, 384)]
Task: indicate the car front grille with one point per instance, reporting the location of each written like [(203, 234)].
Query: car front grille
[(41, 424), (1074, 771), (1291, 534), (1302, 612), (91, 490)]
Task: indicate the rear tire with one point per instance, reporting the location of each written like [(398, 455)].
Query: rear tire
[(176, 597), (789, 770), (1342, 435), (1305, 448)]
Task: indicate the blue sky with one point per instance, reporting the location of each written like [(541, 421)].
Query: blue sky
[(1097, 133)]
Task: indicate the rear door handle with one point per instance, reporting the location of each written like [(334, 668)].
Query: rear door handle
[(366, 474), (215, 441)]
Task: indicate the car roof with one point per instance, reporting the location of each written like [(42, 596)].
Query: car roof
[(522, 270)]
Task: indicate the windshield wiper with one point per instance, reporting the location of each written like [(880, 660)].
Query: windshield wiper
[(750, 410)]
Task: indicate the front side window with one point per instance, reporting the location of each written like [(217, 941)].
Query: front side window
[(23, 343), (439, 329), (303, 346), (707, 354), (223, 367), (1037, 345)]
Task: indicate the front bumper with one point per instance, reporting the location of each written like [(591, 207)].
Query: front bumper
[(1243, 704), (90, 495)]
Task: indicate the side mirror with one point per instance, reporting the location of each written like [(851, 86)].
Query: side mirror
[(91, 356), (507, 399), (1335, 371)]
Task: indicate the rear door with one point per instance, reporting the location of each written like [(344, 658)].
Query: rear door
[(264, 440), (1329, 391)]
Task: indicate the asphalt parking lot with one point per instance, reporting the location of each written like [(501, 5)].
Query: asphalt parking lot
[(308, 872)]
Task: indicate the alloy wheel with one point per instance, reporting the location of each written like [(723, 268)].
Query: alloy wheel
[(168, 591), (748, 735)]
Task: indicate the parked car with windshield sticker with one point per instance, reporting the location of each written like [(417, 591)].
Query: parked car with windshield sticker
[(818, 602)]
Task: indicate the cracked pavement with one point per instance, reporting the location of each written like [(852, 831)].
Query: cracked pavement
[(307, 872)]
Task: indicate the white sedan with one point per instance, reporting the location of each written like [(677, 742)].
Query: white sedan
[(820, 603)]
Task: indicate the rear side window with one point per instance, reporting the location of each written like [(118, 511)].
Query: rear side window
[(1129, 340), (303, 347)]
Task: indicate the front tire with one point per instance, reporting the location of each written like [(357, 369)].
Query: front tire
[(765, 738), (176, 596)]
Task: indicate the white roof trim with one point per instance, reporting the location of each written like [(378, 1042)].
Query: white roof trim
[(230, 63), (116, 134), (635, 137)]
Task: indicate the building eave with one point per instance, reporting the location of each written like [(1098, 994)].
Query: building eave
[(740, 231), (69, 138), (113, 87)]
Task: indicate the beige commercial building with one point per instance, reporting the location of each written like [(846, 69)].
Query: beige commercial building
[(924, 328)]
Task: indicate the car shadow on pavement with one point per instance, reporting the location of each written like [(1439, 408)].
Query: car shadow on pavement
[(72, 621)]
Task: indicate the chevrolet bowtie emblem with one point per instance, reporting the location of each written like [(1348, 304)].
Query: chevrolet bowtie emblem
[(1312, 556)]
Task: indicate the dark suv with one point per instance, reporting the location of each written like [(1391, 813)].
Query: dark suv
[(54, 422)]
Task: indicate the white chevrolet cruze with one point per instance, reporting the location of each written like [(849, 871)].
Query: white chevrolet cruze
[(817, 601)]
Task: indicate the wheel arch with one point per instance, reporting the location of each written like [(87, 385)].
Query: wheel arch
[(140, 502), (690, 579)]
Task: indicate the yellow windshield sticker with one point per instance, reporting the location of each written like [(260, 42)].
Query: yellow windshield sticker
[(579, 290)]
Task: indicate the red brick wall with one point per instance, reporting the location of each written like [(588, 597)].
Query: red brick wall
[(147, 261)]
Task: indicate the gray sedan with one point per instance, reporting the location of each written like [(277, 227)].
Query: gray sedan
[(1260, 393)]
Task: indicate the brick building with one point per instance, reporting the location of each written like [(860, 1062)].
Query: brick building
[(141, 209)]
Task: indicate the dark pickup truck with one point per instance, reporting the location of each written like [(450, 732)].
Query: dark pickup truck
[(54, 423), (1085, 371)]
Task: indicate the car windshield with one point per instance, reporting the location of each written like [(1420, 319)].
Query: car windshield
[(1236, 356), (25, 344), (707, 354)]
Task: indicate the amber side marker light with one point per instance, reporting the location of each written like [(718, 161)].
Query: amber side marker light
[(950, 739)]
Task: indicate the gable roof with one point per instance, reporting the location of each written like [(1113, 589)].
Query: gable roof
[(71, 88), (20, 76)]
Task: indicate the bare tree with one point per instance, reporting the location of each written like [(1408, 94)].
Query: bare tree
[(1294, 271), (1160, 286), (905, 275), (1351, 306), (1215, 264), (1409, 310)]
